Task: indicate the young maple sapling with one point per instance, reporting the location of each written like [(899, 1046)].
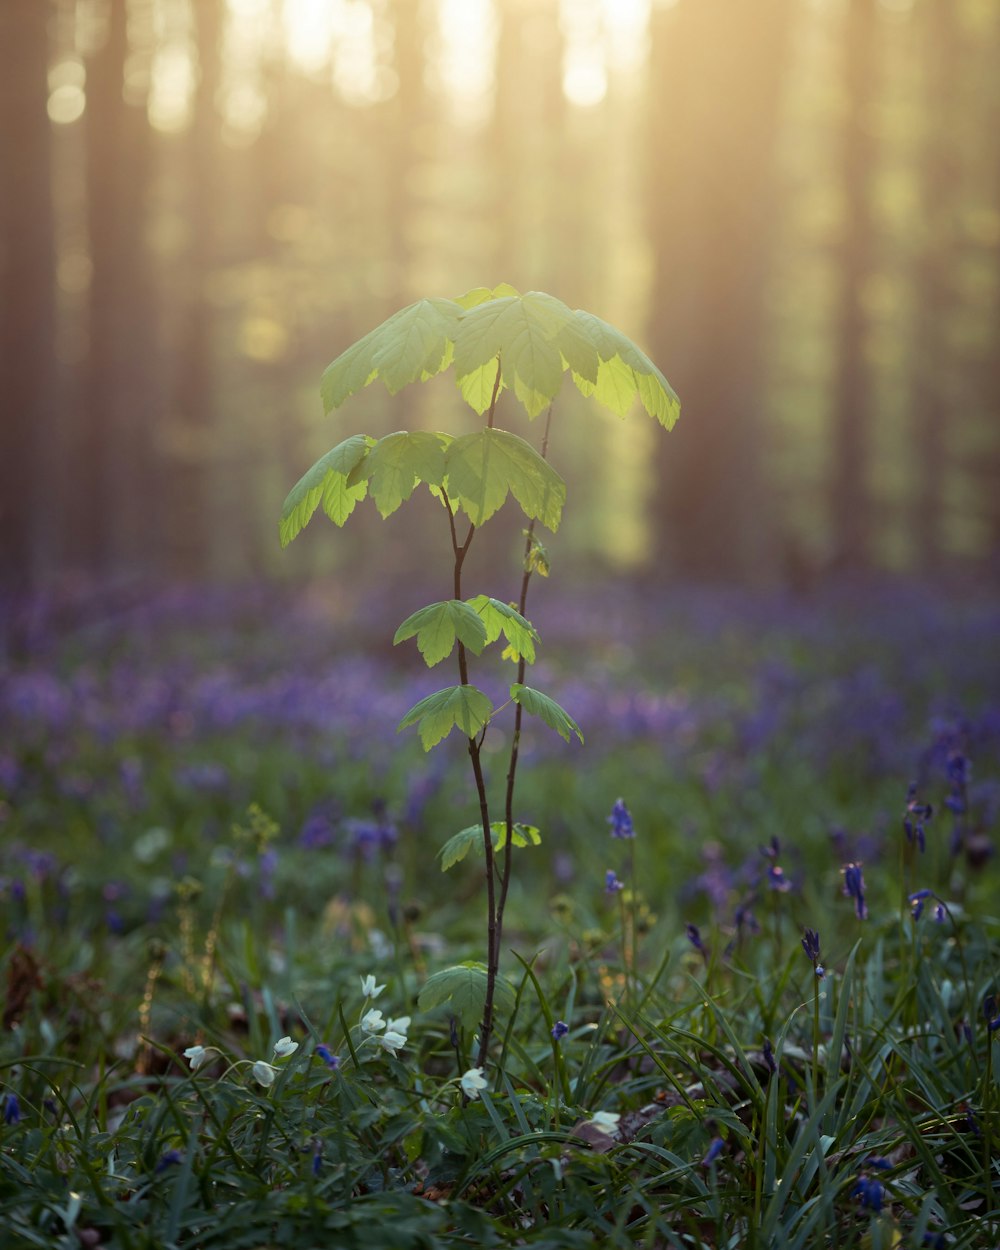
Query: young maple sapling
[(497, 340)]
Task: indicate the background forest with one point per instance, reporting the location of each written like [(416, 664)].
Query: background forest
[(792, 205)]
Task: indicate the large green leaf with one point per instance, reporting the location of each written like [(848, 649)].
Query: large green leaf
[(326, 483), (537, 704), (463, 706), (471, 839), (437, 626), (462, 989), (397, 462), (482, 468), (521, 330), (499, 617), (413, 345), (624, 371)]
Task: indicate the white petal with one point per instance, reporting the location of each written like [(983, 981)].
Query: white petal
[(372, 1021), (285, 1046), (264, 1073), (472, 1082)]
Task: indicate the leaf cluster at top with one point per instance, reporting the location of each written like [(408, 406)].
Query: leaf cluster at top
[(536, 338)]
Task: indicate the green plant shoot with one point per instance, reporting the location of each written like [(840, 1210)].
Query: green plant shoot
[(495, 341)]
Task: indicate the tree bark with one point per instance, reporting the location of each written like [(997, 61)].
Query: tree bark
[(716, 76), (189, 440), (850, 500), (27, 306)]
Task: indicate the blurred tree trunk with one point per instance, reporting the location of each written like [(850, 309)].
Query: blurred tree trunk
[(104, 117), (27, 306), (850, 501), (716, 77), (189, 442), (116, 511), (940, 183)]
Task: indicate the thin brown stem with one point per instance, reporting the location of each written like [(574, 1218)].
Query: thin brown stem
[(460, 551), (493, 397), (522, 602)]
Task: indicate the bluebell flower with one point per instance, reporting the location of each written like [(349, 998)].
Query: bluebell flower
[(854, 887), (870, 1192), (914, 817), (916, 900), (317, 1159), (777, 880), (620, 821), (559, 1030), (716, 1147), (694, 937), (611, 883), (811, 946), (11, 1108), (769, 1059), (168, 1160)]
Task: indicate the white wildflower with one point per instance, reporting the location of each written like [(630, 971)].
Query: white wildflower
[(401, 1024), (372, 1021), (473, 1081), (285, 1046), (606, 1121), (391, 1041), (369, 988), (197, 1056), (264, 1073)]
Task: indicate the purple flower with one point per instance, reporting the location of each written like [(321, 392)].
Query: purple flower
[(810, 944), (870, 1192), (11, 1109), (854, 887), (694, 937), (715, 1149), (620, 821), (168, 1160), (331, 1060), (777, 880), (611, 883), (769, 1059), (559, 1030), (914, 816)]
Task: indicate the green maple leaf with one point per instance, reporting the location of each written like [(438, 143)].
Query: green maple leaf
[(471, 839), (537, 704), (483, 468), (521, 330), (326, 483), (462, 989), (624, 372), (498, 617), (437, 626), (396, 463), (413, 345), (439, 713)]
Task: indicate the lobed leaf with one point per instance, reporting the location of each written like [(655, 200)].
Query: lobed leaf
[(466, 840), (521, 330), (326, 483), (435, 716), (537, 704), (397, 462), (462, 989), (498, 617), (437, 626), (413, 345), (483, 468), (624, 372)]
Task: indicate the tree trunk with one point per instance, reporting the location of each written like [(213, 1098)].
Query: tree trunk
[(94, 524), (850, 499), (27, 307), (187, 501), (716, 76)]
